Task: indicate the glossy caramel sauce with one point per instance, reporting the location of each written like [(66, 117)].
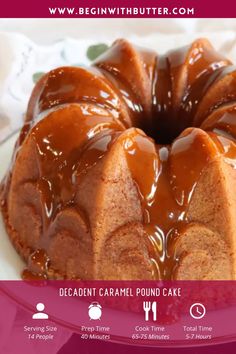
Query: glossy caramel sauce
[(37, 269), (147, 104), (62, 148)]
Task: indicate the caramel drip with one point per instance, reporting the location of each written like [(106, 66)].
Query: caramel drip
[(220, 92), (64, 150), (189, 154), (162, 127), (132, 106), (196, 92), (165, 192), (37, 267), (72, 149), (94, 151), (226, 146), (76, 114), (66, 85), (194, 61), (131, 66), (148, 58)]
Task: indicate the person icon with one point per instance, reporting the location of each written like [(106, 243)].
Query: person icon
[(40, 315)]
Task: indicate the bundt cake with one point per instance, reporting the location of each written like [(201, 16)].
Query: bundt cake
[(127, 169)]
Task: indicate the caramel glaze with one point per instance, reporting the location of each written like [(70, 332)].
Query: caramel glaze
[(37, 266), (76, 114)]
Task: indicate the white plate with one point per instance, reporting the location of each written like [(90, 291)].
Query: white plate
[(11, 264)]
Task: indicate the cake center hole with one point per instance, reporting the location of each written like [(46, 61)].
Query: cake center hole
[(165, 129)]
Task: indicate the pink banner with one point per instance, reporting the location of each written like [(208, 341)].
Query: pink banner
[(117, 9), (151, 314)]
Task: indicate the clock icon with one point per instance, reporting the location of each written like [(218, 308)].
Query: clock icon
[(197, 311)]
